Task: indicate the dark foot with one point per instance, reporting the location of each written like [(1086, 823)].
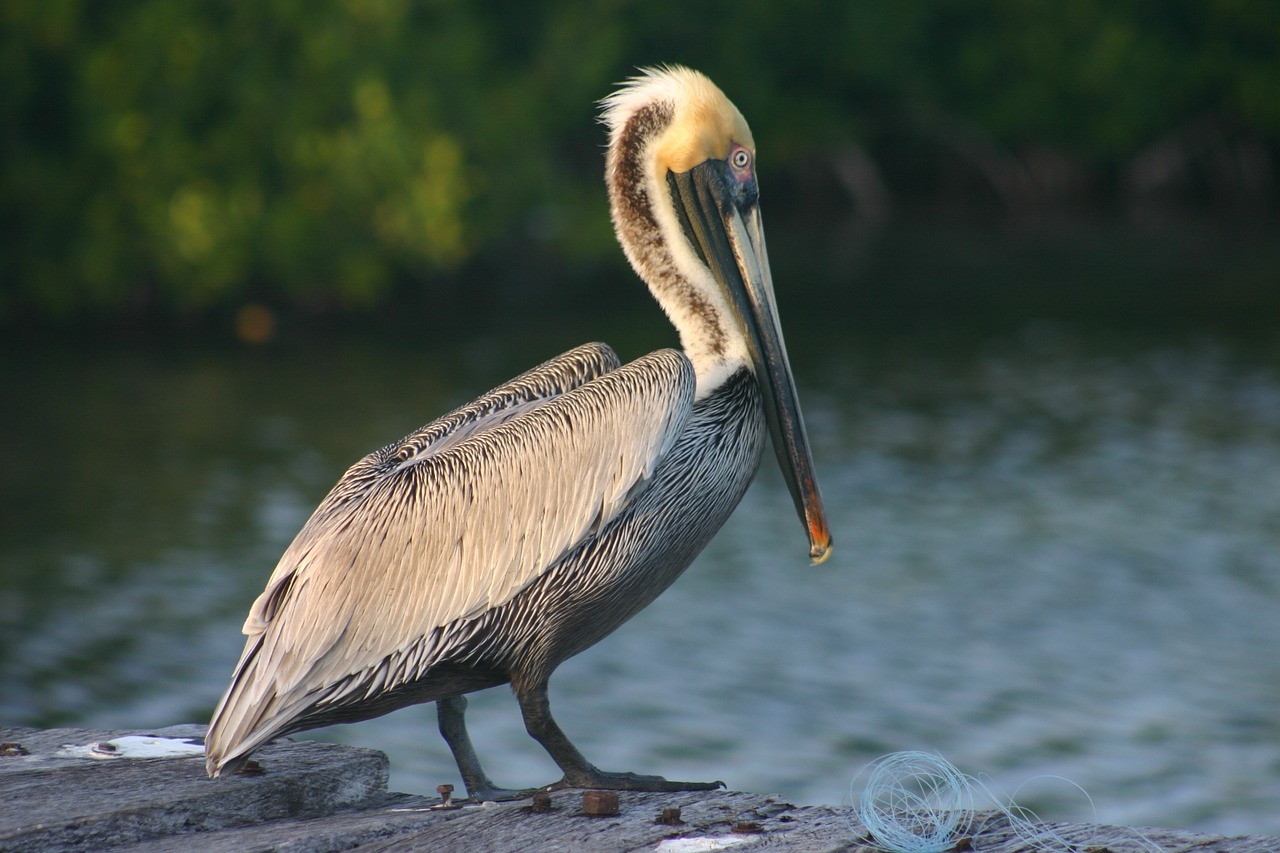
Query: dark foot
[(627, 782), (480, 788), (500, 795), (578, 772)]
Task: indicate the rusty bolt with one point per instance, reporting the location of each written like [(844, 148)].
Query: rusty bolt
[(670, 817), (745, 826), (600, 802), (541, 802), (446, 794)]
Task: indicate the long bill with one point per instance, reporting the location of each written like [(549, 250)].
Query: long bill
[(724, 221)]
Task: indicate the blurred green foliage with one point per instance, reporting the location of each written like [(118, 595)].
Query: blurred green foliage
[(181, 157)]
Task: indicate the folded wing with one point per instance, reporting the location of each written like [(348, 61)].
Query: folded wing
[(452, 521)]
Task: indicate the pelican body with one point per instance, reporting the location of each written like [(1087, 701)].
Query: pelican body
[(516, 531)]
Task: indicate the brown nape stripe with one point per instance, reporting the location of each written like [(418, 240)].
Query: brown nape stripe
[(637, 226), (628, 167)]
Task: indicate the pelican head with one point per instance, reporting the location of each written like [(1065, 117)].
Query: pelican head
[(684, 199)]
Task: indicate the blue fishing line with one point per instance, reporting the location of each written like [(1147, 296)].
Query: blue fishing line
[(918, 802), (915, 802)]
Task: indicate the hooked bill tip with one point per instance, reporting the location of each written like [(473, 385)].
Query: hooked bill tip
[(820, 550)]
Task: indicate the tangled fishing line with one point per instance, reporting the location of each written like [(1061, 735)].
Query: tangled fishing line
[(918, 802)]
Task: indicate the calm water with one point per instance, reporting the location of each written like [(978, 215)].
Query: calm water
[(1057, 554)]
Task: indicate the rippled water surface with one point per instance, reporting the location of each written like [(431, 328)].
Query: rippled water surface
[(1056, 554)]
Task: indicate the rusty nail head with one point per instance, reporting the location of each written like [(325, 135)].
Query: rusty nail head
[(747, 826), (10, 748), (600, 802), (541, 802), (446, 793)]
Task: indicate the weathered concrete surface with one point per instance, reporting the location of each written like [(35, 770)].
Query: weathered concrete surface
[(50, 801), (755, 823), (321, 797)]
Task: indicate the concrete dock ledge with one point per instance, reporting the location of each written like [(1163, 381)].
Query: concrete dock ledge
[(146, 790)]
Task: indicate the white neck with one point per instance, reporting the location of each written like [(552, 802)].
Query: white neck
[(710, 332)]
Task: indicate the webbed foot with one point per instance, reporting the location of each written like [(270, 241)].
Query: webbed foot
[(494, 794), (590, 777)]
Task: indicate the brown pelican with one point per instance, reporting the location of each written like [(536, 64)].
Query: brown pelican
[(511, 534)]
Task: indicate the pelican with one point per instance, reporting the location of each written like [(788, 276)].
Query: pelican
[(511, 534)]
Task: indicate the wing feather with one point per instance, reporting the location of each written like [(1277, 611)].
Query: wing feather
[(452, 521)]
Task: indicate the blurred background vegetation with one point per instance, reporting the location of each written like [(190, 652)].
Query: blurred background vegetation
[(175, 164), (1026, 255)]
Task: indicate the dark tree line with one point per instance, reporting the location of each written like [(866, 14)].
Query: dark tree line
[(181, 157)]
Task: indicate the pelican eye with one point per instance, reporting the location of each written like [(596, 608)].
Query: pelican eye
[(740, 159)]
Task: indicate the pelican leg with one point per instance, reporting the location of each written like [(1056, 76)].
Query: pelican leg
[(451, 712), (578, 772)]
